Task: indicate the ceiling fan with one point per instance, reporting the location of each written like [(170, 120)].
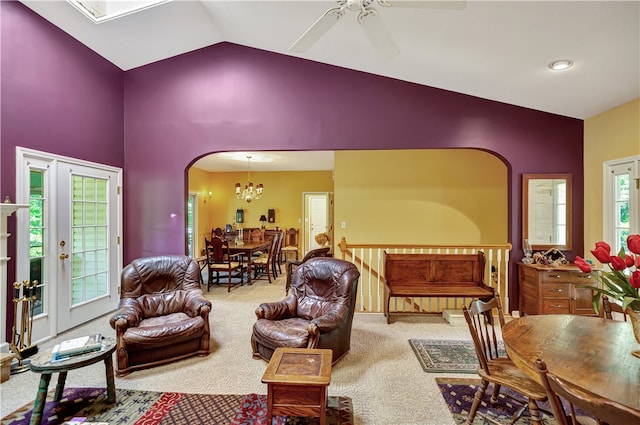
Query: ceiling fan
[(369, 18)]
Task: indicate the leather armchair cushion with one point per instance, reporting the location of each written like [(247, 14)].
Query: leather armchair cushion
[(282, 333), (153, 305), (164, 330)]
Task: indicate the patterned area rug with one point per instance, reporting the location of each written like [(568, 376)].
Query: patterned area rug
[(437, 355), (156, 408), (459, 393)]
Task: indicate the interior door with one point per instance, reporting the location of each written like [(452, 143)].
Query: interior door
[(72, 248), (316, 218)]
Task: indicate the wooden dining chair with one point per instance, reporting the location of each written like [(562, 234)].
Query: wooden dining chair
[(485, 318), (290, 244), (257, 235), (220, 260), (277, 255), (262, 265), (611, 306), (606, 412)]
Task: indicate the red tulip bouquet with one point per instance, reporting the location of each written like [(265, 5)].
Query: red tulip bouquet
[(621, 283)]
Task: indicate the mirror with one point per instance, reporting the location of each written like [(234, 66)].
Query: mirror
[(546, 211)]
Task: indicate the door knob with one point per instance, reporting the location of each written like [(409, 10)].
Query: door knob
[(64, 256)]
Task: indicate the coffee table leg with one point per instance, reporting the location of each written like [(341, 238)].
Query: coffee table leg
[(269, 405), (111, 386), (323, 406), (41, 399), (62, 378)]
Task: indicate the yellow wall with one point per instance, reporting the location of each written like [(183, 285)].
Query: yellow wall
[(611, 135), (282, 192), (421, 197), (199, 183)]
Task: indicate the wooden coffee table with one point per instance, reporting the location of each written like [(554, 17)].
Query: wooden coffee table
[(43, 365), (297, 381)]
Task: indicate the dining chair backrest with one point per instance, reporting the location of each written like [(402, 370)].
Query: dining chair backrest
[(611, 306), (485, 319), (215, 249), (279, 239), (605, 411), (257, 235), (291, 237)]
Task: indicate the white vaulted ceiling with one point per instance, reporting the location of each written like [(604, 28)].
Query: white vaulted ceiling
[(495, 50)]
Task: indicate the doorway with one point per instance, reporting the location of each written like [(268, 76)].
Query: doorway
[(72, 251), (318, 215)]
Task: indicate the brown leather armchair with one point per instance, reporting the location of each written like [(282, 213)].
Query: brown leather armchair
[(291, 266), (162, 315), (317, 313)]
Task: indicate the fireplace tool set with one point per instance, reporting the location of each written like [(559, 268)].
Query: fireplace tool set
[(24, 297)]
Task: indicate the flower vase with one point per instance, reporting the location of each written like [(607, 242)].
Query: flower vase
[(634, 317)]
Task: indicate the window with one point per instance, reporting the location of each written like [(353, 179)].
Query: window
[(621, 212), (191, 231)]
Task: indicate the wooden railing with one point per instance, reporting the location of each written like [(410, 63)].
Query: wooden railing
[(369, 258)]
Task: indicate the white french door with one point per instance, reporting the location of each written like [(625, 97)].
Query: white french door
[(72, 248)]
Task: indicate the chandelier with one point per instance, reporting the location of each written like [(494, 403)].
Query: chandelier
[(249, 193)]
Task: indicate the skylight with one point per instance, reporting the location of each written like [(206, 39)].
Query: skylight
[(104, 10)]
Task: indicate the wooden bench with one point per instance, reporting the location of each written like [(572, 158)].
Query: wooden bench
[(434, 275)]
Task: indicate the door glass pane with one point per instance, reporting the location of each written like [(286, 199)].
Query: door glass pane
[(36, 238), (102, 284), (101, 191), (101, 213), (89, 257), (190, 201), (621, 208), (89, 189)]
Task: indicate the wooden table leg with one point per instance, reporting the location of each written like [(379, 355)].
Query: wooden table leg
[(62, 378), (269, 405), (111, 386), (323, 406), (41, 399)]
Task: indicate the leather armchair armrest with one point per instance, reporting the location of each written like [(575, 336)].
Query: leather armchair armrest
[(128, 310), (278, 310), (195, 303), (331, 320)]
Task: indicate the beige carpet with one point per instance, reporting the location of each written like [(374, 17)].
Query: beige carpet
[(380, 374)]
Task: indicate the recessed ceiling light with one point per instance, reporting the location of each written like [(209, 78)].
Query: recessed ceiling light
[(561, 65)]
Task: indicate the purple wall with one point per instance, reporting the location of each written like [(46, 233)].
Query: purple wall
[(229, 97), (57, 96)]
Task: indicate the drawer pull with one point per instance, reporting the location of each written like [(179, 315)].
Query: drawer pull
[(556, 290), (555, 276), (557, 306)]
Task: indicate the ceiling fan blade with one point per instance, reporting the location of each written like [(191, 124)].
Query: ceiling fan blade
[(419, 4), (377, 33), (317, 30)]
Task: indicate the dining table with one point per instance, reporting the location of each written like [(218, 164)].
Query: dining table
[(591, 353), (248, 248)]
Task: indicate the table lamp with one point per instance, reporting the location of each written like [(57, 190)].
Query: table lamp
[(263, 219)]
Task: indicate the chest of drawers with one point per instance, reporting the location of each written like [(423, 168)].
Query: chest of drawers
[(547, 290)]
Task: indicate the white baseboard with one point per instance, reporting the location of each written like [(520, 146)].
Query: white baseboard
[(453, 317)]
